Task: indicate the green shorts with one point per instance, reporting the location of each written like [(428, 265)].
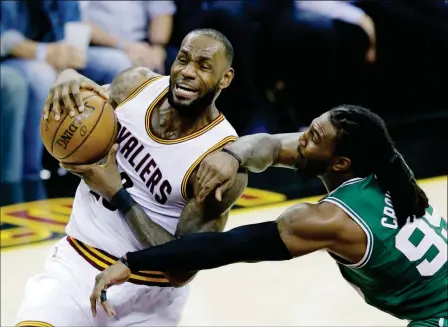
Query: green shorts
[(432, 322)]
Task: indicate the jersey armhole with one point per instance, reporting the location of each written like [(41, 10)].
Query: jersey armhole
[(349, 211), (198, 161)]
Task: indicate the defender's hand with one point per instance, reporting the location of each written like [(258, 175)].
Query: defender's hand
[(116, 274), (67, 89), (103, 179), (218, 169)]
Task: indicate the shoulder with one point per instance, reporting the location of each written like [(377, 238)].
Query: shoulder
[(125, 83), (306, 228), (323, 219)]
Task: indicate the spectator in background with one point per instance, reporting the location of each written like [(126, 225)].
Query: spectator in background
[(130, 33), (32, 42), (322, 47), (16, 183), (412, 56), (35, 62), (348, 13), (14, 98)]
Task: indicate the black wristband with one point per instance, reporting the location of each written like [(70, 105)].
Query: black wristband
[(123, 201), (233, 155)]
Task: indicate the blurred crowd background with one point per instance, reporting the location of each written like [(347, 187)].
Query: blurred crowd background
[(293, 61)]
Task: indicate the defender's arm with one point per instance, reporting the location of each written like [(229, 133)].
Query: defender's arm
[(260, 151), (303, 229), (255, 152)]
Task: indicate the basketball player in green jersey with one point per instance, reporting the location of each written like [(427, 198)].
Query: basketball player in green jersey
[(376, 222)]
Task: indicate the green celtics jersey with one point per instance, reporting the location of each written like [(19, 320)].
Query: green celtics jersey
[(404, 270)]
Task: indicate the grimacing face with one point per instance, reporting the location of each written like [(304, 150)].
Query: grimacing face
[(316, 147), (198, 74)]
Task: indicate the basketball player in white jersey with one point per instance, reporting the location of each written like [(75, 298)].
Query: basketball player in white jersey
[(167, 125)]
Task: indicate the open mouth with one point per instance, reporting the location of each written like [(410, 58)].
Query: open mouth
[(185, 91)]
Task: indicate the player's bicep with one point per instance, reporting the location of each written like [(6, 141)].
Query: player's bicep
[(306, 228), (125, 83), (288, 152)]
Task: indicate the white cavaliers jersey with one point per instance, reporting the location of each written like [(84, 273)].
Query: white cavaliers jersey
[(155, 172)]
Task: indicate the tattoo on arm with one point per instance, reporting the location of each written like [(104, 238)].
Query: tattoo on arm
[(208, 216), (147, 231), (127, 82)]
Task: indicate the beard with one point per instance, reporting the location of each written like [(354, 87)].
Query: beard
[(195, 107), (311, 168)]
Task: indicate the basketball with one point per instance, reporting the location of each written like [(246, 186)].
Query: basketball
[(85, 138)]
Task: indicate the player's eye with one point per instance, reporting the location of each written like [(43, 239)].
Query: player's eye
[(313, 136)]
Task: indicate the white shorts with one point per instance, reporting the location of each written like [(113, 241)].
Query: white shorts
[(60, 295)]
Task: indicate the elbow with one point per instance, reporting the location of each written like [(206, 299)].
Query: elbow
[(270, 149)]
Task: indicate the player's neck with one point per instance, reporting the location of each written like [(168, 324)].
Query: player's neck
[(176, 124), (190, 124), (333, 181)]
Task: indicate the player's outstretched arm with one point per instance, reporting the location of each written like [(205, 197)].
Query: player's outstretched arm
[(302, 229), (255, 152), (258, 152)]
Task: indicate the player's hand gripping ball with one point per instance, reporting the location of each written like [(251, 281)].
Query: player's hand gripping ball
[(79, 125), (103, 179)]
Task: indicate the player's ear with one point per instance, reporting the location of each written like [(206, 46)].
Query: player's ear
[(227, 78), (341, 164)]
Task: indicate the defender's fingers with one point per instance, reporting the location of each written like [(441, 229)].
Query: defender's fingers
[(206, 176), (201, 170), (109, 311), (206, 189), (221, 189)]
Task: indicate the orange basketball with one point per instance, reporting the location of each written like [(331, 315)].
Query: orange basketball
[(85, 138)]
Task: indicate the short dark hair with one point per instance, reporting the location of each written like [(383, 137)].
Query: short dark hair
[(218, 36), (362, 136)]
